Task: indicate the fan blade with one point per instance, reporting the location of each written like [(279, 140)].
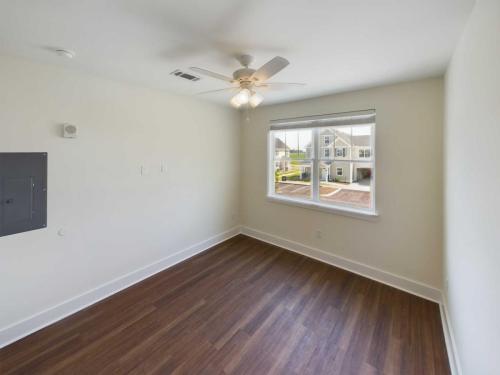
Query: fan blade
[(220, 90), (277, 84), (270, 68), (211, 74)]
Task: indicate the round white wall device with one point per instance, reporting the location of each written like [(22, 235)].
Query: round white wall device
[(69, 131)]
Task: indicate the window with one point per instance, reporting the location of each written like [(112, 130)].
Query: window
[(303, 171), (293, 163), (364, 153), (327, 140)]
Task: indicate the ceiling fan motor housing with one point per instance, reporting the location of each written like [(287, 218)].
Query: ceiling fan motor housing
[(243, 74)]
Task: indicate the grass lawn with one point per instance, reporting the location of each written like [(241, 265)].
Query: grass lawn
[(294, 173)]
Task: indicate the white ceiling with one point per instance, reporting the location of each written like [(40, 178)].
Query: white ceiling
[(333, 45)]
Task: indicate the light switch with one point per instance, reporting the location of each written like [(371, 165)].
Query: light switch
[(144, 170)]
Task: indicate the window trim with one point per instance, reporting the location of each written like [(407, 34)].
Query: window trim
[(341, 171), (317, 206), (313, 202)]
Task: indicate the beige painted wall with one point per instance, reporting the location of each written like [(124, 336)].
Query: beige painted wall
[(472, 187), (407, 237), (114, 220)]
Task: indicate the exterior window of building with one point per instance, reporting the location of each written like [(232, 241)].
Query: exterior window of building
[(364, 153)]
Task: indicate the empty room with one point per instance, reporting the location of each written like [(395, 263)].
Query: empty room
[(250, 187)]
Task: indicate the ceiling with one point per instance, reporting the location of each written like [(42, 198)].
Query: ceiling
[(332, 45)]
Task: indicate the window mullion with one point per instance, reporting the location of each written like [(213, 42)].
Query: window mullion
[(315, 166)]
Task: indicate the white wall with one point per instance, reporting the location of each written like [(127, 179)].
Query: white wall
[(114, 220), (406, 239), (472, 191)]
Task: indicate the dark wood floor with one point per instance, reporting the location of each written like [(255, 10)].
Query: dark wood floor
[(243, 307)]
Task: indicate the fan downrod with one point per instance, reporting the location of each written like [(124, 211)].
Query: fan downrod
[(245, 60)]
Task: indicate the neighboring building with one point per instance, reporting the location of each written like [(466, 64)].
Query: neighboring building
[(281, 150), (344, 158)]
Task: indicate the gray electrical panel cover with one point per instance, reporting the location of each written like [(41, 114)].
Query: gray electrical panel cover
[(23, 191)]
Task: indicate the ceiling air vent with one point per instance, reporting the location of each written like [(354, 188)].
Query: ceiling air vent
[(188, 76)]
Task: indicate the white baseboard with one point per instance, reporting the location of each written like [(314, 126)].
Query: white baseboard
[(449, 338), (44, 318), (396, 281)]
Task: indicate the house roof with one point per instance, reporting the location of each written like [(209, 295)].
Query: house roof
[(280, 144), (356, 140), (361, 140)]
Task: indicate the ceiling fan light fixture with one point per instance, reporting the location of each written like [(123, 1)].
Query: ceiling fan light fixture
[(244, 96), (256, 99), (235, 102), (241, 98)]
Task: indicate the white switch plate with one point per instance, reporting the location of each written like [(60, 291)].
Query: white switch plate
[(163, 168), (144, 170)]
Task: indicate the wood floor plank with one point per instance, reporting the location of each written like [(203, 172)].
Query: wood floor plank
[(243, 307)]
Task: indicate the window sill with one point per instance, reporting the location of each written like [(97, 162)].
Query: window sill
[(344, 211)]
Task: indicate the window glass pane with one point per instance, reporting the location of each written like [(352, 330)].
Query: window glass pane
[(305, 144), (361, 142), (342, 142), (345, 166), (346, 183), (293, 178), (280, 149), (292, 142), (326, 148)]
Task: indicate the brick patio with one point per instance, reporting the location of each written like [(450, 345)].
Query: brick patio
[(355, 198)]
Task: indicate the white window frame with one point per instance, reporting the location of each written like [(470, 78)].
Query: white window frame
[(341, 171), (314, 202)]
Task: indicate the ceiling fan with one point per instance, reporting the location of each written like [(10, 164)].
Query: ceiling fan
[(247, 80)]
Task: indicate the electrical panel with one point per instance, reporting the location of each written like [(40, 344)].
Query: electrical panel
[(23, 191)]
